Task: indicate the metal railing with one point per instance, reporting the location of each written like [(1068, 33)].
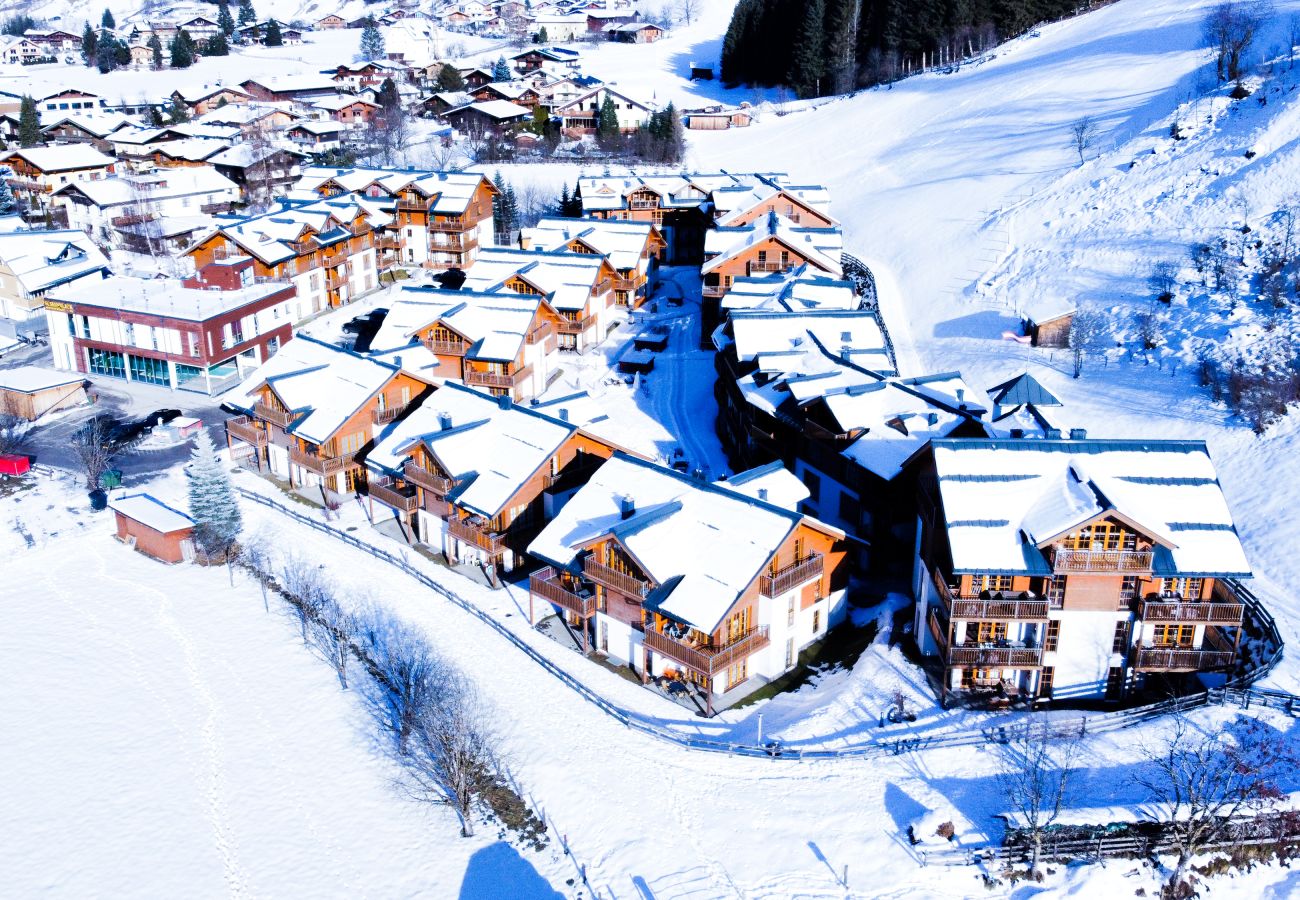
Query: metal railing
[(705, 659), (791, 576), (1101, 560)]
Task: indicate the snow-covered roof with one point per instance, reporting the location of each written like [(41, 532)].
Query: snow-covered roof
[(268, 236), (149, 187), (821, 247), (854, 336), (622, 243), (342, 101), (452, 192), (99, 123), (167, 297), (62, 157), (324, 384), (150, 512), (1022, 390), (30, 379), (565, 279), (1004, 499), (802, 288), (41, 260), (488, 445), (773, 483), (702, 544), (494, 109), (494, 323)]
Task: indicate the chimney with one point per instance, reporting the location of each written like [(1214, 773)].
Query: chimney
[(627, 506), (1053, 434), (564, 415), (762, 494), (504, 401), (961, 398), (397, 361), (846, 354), (1017, 433), (444, 421), (932, 418), (1078, 434)]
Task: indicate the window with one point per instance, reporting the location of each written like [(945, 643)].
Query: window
[(1128, 589), (1120, 642), (985, 632), (107, 362), (991, 583), (149, 370), (1186, 588), (1101, 536), (817, 621), (130, 333), (72, 325), (789, 615), (789, 653), (1114, 683), (1053, 638), (1173, 635), (85, 328), (1056, 591), (1046, 680), (814, 484)]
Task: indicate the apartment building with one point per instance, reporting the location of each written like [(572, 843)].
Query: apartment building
[(711, 584), (37, 172), (769, 243), (34, 262), (634, 249), (1075, 568)]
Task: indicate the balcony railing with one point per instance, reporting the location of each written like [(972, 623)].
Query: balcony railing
[(493, 379), (791, 576), (413, 206), (571, 476), (613, 578), (753, 267), (426, 479), (390, 414), (270, 414), (1101, 560), (454, 241), (388, 242), (706, 659), (938, 631), (996, 657), (1181, 659), (545, 583), (989, 608), (450, 226), (321, 465), (1175, 610), (575, 326), (446, 348), (477, 535), (385, 491), (242, 427), (714, 290), (541, 332)]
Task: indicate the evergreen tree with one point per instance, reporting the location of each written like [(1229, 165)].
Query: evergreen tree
[(155, 49), (607, 131), (841, 45), (564, 199), (217, 45), (542, 36), (7, 201), (224, 19), (89, 41), (213, 504), (247, 15), (105, 51), (121, 54), (501, 70), (808, 58), (155, 117), (575, 203), (177, 113), (107, 20), (510, 206), (18, 25), (498, 203), (388, 97), (182, 50), (273, 36), (372, 41), (29, 123), (450, 79)]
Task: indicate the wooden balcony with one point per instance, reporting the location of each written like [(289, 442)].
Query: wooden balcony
[(993, 608), (540, 333), (427, 480), (302, 248), (275, 416), (1173, 609), (335, 280), (467, 532), (575, 326), (492, 379), (1181, 659), (762, 267), (421, 206), (321, 465), (631, 284), (446, 348), (242, 428), (938, 631), (385, 491), (1101, 560), (791, 576), (391, 414), (714, 290), (450, 226), (454, 241), (706, 659), (388, 242), (613, 578), (545, 584), (995, 657)]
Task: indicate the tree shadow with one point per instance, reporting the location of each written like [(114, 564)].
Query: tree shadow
[(499, 871)]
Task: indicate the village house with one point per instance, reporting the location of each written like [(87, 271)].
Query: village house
[(717, 585), (69, 99), (262, 170), (598, 20), (250, 118), (21, 51), (200, 100), (256, 33), (561, 28), (37, 172), (100, 208), (477, 477), (326, 249), (578, 286), (579, 116), (286, 88), (770, 244), (33, 262), (95, 129), (718, 118), (634, 249), (153, 528), (1047, 322), (202, 334), (490, 117), (634, 32), (345, 108), (441, 219), (1076, 568), (316, 137), (54, 43), (517, 92), (330, 22), (369, 74), (310, 414), (536, 57)]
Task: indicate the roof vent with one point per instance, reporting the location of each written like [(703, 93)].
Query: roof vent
[(1078, 434), (564, 415), (626, 506), (932, 418), (444, 421), (762, 493), (504, 401), (1053, 434)]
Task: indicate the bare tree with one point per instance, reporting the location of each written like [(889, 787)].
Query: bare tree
[(406, 671), (329, 632), (306, 589), (687, 11), (96, 447), (1088, 330), (13, 433), (1230, 28), (1200, 782), (452, 754), (257, 556), (1082, 135), (1150, 326), (1035, 775), (1163, 280)]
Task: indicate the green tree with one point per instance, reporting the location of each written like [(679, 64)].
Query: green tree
[(214, 506), (372, 41), (89, 41), (542, 36), (29, 123), (808, 59), (182, 50), (155, 50), (247, 15), (273, 36), (540, 119), (501, 70), (18, 25), (177, 113), (121, 54), (388, 97), (224, 19), (450, 79), (155, 117), (607, 131), (105, 51), (107, 20), (217, 45)]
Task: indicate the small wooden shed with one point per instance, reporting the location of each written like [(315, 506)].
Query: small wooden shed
[(30, 392), (637, 362), (153, 528), (1048, 323)]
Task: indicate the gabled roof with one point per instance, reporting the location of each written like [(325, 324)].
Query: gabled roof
[(41, 260), (62, 157), (820, 247), (1023, 390)]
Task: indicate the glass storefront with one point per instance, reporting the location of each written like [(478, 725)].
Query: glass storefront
[(107, 362), (150, 371)]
